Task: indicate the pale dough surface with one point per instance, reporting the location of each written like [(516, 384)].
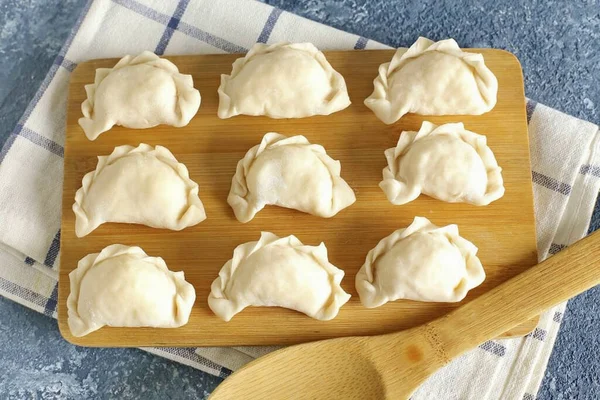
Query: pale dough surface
[(446, 162), (138, 185), (282, 80), (278, 272), (291, 173), (433, 78), (124, 287), (138, 92), (422, 262)]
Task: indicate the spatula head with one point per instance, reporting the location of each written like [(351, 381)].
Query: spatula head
[(380, 367)]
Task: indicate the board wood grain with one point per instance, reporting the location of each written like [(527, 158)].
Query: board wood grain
[(210, 147)]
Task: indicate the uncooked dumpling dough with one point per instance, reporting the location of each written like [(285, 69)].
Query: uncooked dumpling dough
[(433, 78), (138, 92), (422, 262), (138, 185), (282, 80), (278, 272), (290, 173), (123, 286), (446, 162)]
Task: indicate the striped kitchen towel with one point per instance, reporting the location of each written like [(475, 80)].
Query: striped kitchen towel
[(565, 161)]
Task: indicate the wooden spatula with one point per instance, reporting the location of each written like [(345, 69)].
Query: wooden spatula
[(392, 366)]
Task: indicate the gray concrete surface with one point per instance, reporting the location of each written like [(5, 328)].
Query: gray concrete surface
[(557, 43)]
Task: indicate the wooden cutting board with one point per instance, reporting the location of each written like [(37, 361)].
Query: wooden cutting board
[(211, 147)]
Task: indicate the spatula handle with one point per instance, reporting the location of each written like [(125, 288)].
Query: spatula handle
[(558, 278)]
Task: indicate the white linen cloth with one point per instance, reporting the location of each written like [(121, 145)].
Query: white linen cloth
[(565, 168)]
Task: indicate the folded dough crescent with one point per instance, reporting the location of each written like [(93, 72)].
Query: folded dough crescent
[(433, 78), (446, 162), (138, 92), (278, 272), (123, 286), (422, 262), (283, 80), (138, 185), (291, 173)]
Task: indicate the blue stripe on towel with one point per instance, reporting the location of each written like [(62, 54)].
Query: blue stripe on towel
[(53, 251), (551, 183), (23, 293), (171, 27), (539, 334), (50, 306), (588, 169), (555, 248), (530, 108), (144, 10), (225, 372), (182, 27), (557, 316), (494, 348), (361, 43), (269, 25), (66, 64), (40, 140), (213, 40)]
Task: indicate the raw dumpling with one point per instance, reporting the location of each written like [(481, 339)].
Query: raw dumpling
[(122, 286), (278, 272), (282, 80), (423, 263), (290, 173), (138, 185), (446, 162), (138, 92), (433, 79)]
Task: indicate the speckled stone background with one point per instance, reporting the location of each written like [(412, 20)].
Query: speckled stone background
[(558, 43)]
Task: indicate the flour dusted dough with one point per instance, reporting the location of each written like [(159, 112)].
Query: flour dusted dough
[(446, 162), (122, 286), (282, 80), (433, 78), (278, 272), (138, 185), (291, 173), (421, 262), (138, 92)]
